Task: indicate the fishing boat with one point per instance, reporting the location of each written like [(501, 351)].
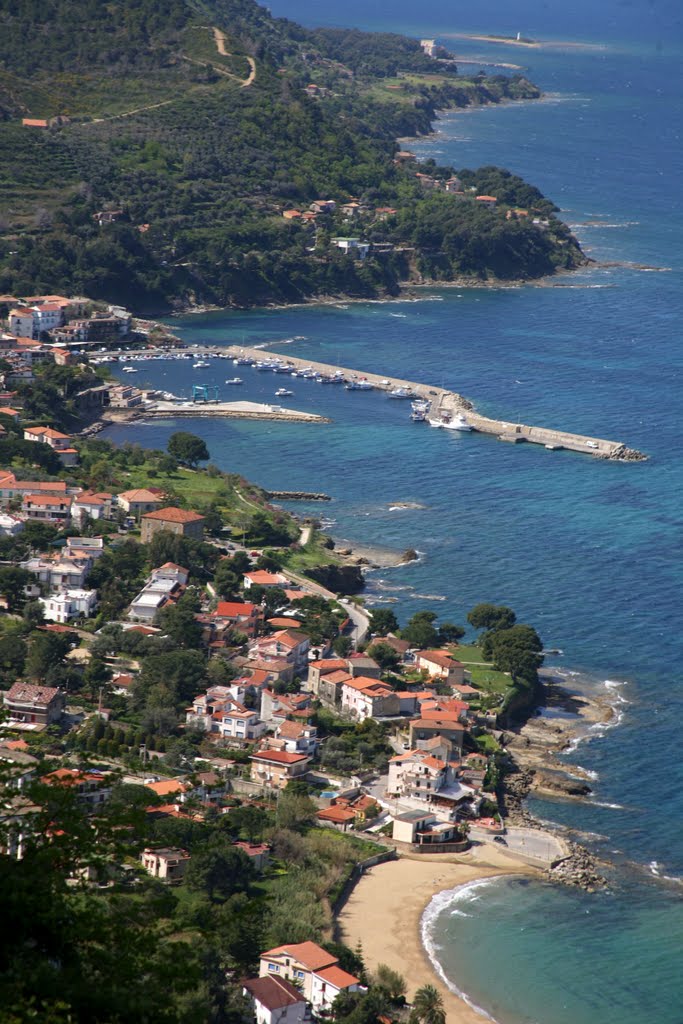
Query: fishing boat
[(359, 385), (418, 415), (235, 380), (243, 361)]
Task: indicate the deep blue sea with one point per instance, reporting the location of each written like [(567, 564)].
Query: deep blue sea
[(589, 552)]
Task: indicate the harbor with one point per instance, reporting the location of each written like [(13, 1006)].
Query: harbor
[(443, 408)]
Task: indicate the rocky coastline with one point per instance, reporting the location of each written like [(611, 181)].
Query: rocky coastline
[(533, 767)]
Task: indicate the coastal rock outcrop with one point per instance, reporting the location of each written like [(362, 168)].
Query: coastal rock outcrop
[(579, 869), (342, 579)]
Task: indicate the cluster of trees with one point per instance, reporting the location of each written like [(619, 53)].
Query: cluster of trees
[(511, 646), (210, 171)]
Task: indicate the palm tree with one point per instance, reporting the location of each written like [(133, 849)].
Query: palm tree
[(428, 1006)]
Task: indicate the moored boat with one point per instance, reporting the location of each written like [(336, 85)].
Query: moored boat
[(451, 421)]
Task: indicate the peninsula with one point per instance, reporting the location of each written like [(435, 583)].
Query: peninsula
[(210, 154)]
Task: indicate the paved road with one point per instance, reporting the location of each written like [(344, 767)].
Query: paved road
[(527, 842), (360, 618)]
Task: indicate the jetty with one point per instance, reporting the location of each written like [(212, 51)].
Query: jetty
[(445, 404), (227, 410)]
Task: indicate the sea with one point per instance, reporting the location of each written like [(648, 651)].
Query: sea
[(589, 552)]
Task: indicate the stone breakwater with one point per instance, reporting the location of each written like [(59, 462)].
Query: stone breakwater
[(580, 868), (298, 496), (445, 404)]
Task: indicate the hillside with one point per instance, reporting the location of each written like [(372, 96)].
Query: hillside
[(192, 126)]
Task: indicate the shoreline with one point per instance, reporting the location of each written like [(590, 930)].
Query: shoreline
[(529, 44), (386, 912), (386, 909)]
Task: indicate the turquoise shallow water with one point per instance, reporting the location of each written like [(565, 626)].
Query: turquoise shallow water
[(589, 552)]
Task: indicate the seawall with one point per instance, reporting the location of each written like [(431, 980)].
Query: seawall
[(445, 403)]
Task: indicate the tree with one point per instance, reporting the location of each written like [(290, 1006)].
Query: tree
[(421, 631), (385, 656), (187, 448), (295, 810), (240, 563), (516, 650), (34, 614), (46, 651), (12, 657), (450, 633), (96, 674), (383, 621), (390, 981), (167, 464), (274, 598), (219, 871), (226, 580), (13, 583), (179, 622), (491, 616), (428, 1006), (181, 673), (342, 646)]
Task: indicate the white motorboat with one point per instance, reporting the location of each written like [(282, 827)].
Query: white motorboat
[(402, 393), (451, 421), (283, 393), (129, 369), (235, 380), (200, 364)]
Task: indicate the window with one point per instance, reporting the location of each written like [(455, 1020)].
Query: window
[(299, 974), (275, 968)]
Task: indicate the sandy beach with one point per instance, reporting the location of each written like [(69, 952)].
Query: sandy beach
[(385, 909)]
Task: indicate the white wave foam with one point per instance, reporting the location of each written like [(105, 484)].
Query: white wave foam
[(430, 597), (612, 807), (463, 893), (654, 868), (587, 771)]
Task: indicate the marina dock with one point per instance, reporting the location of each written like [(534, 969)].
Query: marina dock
[(446, 404)]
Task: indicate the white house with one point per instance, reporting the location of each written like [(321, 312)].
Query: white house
[(362, 697), (352, 247), (69, 604), (20, 322), (328, 983), (239, 723), (312, 968), (168, 864), (60, 573), (276, 1001), (10, 525)]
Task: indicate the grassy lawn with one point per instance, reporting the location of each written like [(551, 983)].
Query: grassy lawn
[(197, 488), (490, 681), (468, 654)]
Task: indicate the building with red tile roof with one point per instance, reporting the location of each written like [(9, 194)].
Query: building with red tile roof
[(183, 522), (440, 665), (33, 707), (275, 768), (275, 1001)]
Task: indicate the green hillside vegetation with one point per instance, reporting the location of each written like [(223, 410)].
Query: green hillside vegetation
[(192, 119)]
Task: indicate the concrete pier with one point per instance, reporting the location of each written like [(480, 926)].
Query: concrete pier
[(445, 403)]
